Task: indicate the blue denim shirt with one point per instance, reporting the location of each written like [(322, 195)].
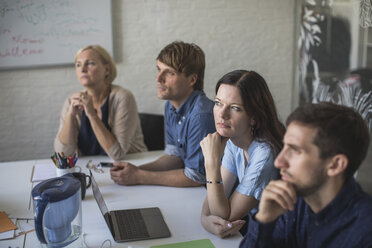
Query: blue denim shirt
[(185, 127), (345, 222)]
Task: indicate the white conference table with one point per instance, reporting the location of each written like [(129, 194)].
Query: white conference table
[(181, 207)]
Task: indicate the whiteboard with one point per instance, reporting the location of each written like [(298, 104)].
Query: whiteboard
[(50, 32)]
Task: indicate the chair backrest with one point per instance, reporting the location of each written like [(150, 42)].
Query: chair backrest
[(153, 131)]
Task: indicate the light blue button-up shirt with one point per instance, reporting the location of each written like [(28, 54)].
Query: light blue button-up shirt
[(254, 175)]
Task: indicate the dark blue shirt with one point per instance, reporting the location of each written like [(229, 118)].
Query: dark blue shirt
[(185, 127), (345, 222), (87, 140)]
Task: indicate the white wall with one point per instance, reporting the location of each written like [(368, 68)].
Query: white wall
[(234, 34)]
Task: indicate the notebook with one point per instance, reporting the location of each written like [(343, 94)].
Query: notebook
[(131, 224), (201, 243)]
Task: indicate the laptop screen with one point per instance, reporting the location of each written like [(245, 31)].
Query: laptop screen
[(98, 196)]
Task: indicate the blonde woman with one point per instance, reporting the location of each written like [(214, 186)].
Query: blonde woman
[(102, 119)]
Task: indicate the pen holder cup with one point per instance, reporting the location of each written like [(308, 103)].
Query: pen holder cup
[(82, 177), (60, 172)]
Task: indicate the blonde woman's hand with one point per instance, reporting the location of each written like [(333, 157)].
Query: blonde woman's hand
[(75, 106), (87, 102)]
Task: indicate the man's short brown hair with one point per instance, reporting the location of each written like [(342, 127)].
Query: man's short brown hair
[(341, 130), (185, 58)]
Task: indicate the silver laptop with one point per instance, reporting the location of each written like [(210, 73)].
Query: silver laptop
[(131, 224)]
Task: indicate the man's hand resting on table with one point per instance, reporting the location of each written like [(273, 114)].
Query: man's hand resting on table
[(125, 173)]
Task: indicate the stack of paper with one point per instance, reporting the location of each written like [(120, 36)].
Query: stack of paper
[(43, 171), (8, 230), (7, 227)]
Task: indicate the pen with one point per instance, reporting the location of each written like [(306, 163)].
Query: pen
[(63, 159), (60, 166), (32, 173), (75, 158), (70, 161), (59, 156), (54, 161)]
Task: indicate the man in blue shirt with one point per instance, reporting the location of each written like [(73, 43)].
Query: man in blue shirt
[(317, 202), (188, 119)]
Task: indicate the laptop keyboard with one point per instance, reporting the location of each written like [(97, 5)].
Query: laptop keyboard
[(131, 224)]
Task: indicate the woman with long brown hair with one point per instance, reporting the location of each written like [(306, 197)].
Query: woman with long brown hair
[(239, 156)]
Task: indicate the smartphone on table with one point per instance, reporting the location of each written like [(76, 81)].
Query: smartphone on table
[(106, 164)]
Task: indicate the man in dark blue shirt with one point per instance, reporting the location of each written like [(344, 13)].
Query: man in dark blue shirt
[(188, 119), (317, 202)]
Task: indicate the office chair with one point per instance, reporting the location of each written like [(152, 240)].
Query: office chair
[(153, 131)]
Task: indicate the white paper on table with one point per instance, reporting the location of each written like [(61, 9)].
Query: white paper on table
[(44, 171), (8, 234), (23, 227)]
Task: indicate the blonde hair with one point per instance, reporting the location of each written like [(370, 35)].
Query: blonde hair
[(106, 59)]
